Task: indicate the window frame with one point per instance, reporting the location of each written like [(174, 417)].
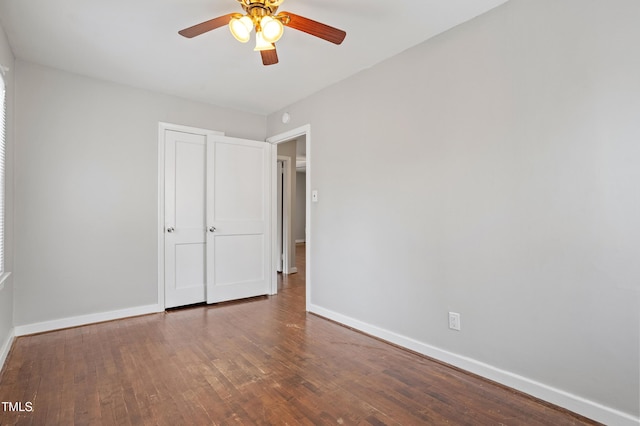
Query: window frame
[(3, 146)]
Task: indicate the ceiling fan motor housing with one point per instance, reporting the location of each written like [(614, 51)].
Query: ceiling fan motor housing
[(257, 9), (260, 8)]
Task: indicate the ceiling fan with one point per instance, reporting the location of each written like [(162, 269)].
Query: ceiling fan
[(269, 26)]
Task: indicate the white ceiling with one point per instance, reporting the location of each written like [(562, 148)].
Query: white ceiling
[(136, 42)]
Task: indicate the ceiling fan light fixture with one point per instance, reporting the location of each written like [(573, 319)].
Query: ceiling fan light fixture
[(262, 16), (241, 28), (262, 44), (272, 29)]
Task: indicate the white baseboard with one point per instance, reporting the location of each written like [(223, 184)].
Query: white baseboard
[(58, 324), (577, 404), (6, 347), (300, 241), (292, 270)]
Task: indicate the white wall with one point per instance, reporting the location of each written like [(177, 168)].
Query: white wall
[(6, 290), (497, 177), (87, 190)]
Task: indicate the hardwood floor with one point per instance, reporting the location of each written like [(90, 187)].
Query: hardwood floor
[(261, 361)]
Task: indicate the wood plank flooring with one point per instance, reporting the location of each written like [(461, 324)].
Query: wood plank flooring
[(262, 361)]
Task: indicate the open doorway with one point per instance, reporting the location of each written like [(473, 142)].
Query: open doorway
[(286, 203), (285, 217), (299, 144)]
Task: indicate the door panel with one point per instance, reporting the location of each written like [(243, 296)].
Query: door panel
[(238, 217), (239, 188), (239, 259), (185, 237), (190, 262), (190, 183)]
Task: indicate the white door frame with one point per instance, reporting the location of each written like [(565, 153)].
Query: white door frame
[(281, 138), (162, 128), (280, 206), (287, 226)]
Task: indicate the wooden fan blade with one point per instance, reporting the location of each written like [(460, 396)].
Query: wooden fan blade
[(269, 57), (206, 26), (314, 28)]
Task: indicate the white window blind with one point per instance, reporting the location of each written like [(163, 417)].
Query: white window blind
[(3, 115)]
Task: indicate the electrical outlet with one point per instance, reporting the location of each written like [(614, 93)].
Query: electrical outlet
[(454, 321)]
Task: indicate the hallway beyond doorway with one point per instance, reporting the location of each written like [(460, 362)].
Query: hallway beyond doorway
[(297, 279)]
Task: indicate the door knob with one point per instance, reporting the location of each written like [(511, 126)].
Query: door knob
[(212, 229), (171, 229)]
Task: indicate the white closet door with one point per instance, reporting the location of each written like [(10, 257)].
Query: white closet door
[(185, 218), (238, 218)]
